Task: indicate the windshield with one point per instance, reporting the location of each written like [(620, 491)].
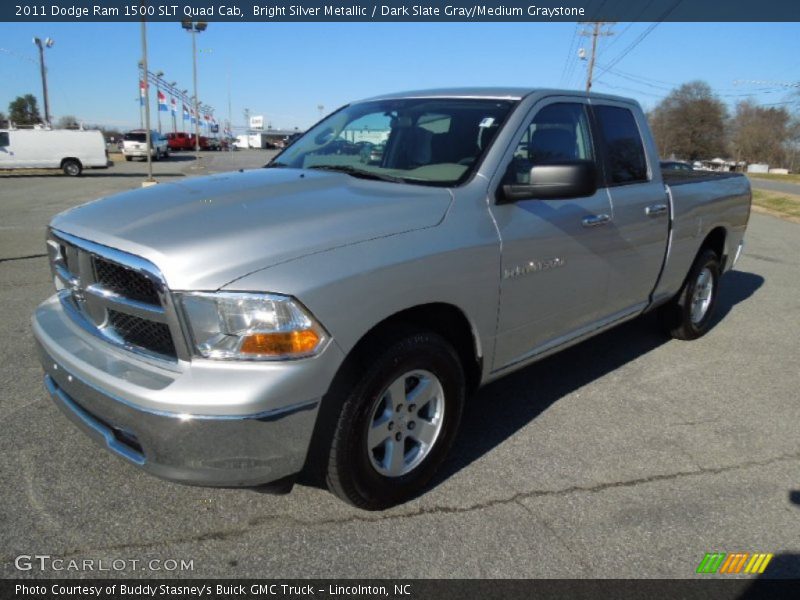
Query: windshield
[(434, 141)]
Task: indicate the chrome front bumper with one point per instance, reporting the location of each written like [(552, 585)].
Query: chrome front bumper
[(253, 434)]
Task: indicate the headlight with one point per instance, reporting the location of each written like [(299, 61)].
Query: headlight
[(232, 325)]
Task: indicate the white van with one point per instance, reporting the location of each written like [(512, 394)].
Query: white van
[(65, 149)]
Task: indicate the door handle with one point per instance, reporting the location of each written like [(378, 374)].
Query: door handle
[(595, 220), (655, 209)]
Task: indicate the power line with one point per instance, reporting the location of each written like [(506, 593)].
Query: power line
[(570, 55), (625, 30), (22, 56), (668, 87), (772, 83), (641, 37)]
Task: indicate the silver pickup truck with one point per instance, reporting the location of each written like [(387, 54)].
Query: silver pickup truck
[(332, 311)]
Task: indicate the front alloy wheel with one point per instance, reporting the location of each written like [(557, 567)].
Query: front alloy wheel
[(406, 422)]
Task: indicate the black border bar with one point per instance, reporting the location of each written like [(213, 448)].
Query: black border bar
[(415, 589), (271, 11)]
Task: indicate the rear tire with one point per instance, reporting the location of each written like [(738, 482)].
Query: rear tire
[(688, 316), (71, 167), (128, 158), (397, 422)]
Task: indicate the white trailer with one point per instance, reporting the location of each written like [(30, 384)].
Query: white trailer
[(242, 141), (65, 149)]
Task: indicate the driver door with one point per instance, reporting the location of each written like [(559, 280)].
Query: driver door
[(554, 273)]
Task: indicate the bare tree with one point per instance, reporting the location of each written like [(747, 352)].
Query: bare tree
[(760, 134), (67, 122), (690, 123)]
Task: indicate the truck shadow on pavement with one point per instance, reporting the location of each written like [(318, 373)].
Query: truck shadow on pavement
[(521, 397)]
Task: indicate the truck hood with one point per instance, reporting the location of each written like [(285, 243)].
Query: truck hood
[(205, 232)]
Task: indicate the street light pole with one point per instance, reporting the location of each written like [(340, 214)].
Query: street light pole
[(47, 43), (196, 111), (194, 28), (174, 106)]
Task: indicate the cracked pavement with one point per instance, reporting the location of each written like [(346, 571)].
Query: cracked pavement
[(627, 456)]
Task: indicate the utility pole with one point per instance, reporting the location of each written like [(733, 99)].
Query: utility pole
[(230, 117), (595, 33)]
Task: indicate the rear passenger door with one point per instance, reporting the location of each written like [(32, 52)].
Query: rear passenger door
[(639, 206)]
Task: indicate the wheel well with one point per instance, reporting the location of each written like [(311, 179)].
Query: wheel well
[(443, 319), (715, 241), (63, 160)]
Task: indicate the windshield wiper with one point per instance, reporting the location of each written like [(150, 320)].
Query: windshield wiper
[(275, 165), (359, 173)]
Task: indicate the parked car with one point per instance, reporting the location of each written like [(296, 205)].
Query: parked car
[(327, 313), (675, 165), (134, 145), (179, 140), (206, 143), (68, 150), (375, 154), (289, 139)]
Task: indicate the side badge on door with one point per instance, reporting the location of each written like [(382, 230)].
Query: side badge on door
[(533, 266)]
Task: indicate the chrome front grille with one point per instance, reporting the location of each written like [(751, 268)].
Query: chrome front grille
[(124, 281), (141, 332), (117, 296)]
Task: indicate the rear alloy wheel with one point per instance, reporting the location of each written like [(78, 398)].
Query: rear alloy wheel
[(688, 316), (398, 422), (71, 167)]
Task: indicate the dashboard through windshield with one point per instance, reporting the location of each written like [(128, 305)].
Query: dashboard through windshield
[(433, 141)]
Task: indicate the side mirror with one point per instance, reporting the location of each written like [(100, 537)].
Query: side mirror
[(573, 179)]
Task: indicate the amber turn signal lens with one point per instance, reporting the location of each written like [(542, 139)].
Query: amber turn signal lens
[(277, 344)]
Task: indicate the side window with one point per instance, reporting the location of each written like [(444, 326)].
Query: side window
[(624, 149), (557, 133), (4, 141)]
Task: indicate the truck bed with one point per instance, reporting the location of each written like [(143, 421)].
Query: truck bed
[(672, 177)]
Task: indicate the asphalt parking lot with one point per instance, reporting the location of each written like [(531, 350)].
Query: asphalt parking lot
[(629, 455)]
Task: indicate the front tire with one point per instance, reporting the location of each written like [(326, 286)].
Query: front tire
[(398, 422), (688, 316)]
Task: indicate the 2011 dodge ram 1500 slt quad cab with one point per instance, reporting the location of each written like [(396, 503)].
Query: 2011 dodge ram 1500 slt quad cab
[(334, 313)]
